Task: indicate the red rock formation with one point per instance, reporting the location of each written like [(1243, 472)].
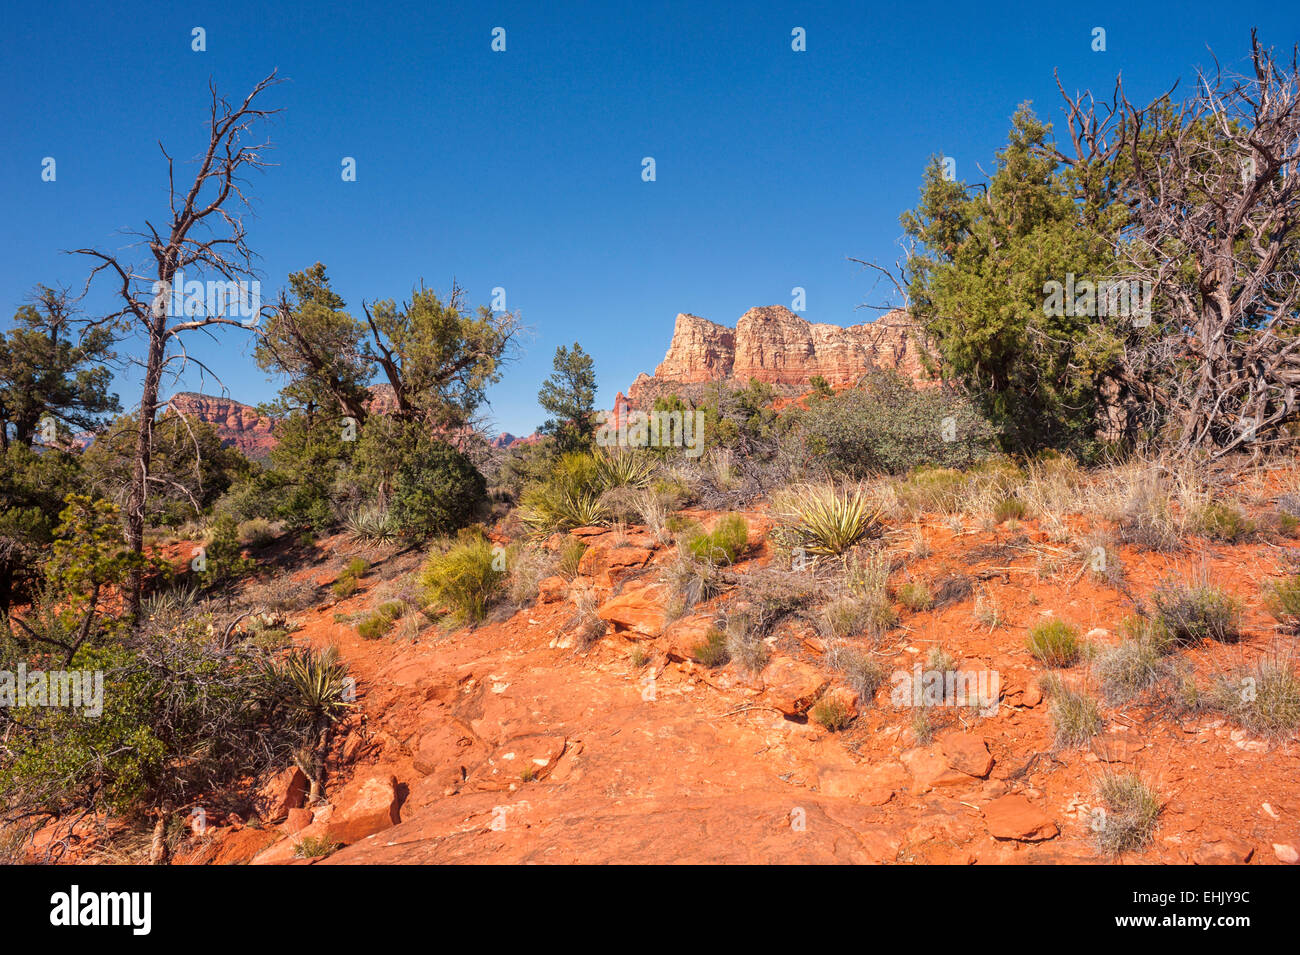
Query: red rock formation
[(238, 425), (776, 346)]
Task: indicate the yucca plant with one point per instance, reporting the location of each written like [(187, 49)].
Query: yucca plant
[(829, 521), (625, 468), (314, 685), (566, 510), (373, 524)]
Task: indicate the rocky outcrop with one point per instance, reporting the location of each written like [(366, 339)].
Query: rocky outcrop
[(774, 345), (237, 424)]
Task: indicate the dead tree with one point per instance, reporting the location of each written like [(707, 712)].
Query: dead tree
[(205, 237), (1211, 185)]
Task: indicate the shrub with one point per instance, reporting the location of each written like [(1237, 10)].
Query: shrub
[(861, 672), (832, 712), (373, 524), (349, 578), (526, 566), (1148, 522), (712, 651), (1131, 811), (571, 556), (826, 521), (625, 468), (256, 532), (691, 582), (1009, 508), (315, 847), (465, 578), (887, 424), (382, 620), (744, 642), (1075, 716), (915, 595), (570, 496), (849, 615), (1222, 522), (1263, 698), (1282, 598), (586, 624), (724, 544), (1127, 670), (436, 491), (1054, 643), (1192, 614)]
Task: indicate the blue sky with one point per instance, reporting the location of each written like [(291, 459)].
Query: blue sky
[(522, 169)]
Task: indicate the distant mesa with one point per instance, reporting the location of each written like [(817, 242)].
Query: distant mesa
[(773, 345)]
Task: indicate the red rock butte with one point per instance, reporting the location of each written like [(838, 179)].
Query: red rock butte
[(773, 345)]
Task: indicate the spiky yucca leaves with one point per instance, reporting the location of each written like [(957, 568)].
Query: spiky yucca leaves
[(625, 468), (568, 509), (314, 686), (373, 524), (828, 521)]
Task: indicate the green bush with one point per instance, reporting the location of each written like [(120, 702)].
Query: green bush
[(571, 556), (724, 544), (832, 712), (1282, 598), (382, 620), (887, 424), (437, 491), (712, 652), (1222, 522), (1192, 614), (465, 578), (915, 595), (349, 578), (1054, 643), (570, 496)]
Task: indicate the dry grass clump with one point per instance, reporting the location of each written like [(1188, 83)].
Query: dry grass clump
[(1128, 815), (1076, 719), (1054, 643)]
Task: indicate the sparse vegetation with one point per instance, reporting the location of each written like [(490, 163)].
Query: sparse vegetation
[(915, 595), (712, 650), (832, 712), (1054, 643), (1075, 716), (1190, 614), (1131, 810)]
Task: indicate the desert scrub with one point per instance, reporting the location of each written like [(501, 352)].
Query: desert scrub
[(315, 847), (1129, 812), (256, 532), (373, 524), (988, 613), (744, 643), (850, 614), (1054, 643), (464, 578), (1192, 614), (526, 565), (569, 497), (586, 625), (861, 672), (825, 521), (690, 582), (349, 578), (1136, 665), (1147, 521), (832, 712), (1009, 509), (915, 595), (1075, 716), (712, 650), (1222, 522), (382, 620), (1282, 598), (722, 545), (1264, 698)]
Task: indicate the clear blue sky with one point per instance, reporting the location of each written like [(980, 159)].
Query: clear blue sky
[(522, 169)]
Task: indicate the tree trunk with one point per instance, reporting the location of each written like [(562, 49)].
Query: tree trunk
[(135, 510)]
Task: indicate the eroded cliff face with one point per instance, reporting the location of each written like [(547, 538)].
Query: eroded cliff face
[(774, 345), (239, 425)]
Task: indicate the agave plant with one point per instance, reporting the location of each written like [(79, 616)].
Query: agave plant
[(314, 686), (625, 468), (568, 509), (829, 521), (374, 524)]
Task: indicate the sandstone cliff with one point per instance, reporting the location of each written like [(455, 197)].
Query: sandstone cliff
[(239, 425), (774, 345)]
